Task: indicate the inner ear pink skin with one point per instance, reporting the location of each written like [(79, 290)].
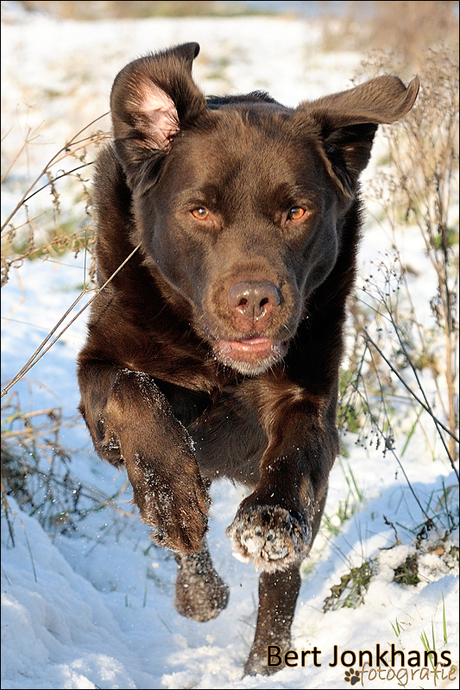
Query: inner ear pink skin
[(160, 110)]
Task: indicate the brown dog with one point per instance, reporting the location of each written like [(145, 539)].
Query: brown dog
[(215, 350)]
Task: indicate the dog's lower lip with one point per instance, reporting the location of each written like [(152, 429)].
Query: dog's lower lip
[(247, 345), (249, 356)]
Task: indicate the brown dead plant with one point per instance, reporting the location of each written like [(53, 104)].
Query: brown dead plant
[(407, 359)]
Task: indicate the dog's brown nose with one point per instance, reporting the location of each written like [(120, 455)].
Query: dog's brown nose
[(254, 299)]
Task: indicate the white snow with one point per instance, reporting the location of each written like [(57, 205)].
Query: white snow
[(93, 607)]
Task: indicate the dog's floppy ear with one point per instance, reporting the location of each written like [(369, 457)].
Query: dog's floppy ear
[(347, 122), (152, 99)]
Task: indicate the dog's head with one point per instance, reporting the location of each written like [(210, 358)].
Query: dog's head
[(240, 201)]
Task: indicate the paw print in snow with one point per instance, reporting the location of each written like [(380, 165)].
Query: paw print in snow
[(352, 677)]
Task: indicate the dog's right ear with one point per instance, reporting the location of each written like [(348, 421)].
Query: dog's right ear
[(152, 99), (347, 122)]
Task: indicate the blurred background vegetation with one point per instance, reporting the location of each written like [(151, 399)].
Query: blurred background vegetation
[(407, 27)]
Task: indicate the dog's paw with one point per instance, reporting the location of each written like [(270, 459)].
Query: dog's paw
[(201, 594), (257, 665), (270, 536)]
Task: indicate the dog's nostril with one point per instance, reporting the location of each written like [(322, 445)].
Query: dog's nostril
[(254, 299)]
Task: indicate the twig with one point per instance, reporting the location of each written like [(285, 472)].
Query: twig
[(66, 149), (42, 247), (58, 177), (6, 508), (426, 407), (30, 551), (39, 352)]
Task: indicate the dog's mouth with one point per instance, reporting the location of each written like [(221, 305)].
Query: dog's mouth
[(249, 356)]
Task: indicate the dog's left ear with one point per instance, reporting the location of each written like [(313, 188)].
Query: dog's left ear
[(152, 99), (348, 120)]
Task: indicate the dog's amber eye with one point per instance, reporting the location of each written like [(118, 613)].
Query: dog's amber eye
[(296, 213), (200, 213)]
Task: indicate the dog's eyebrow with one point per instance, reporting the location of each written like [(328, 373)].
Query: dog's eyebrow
[(198, 194), (297, 193)]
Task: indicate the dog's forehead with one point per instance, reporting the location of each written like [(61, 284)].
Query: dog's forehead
[(260, 141), (247, 124)]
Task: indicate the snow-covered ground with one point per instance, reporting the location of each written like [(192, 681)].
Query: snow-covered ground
[(93, 607)]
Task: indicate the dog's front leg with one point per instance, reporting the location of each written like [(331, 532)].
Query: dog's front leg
[(131, 423), (278, 593), (275, 525)]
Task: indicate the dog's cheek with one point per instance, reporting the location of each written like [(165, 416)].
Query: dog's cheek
[(318, 258), (179, 259)]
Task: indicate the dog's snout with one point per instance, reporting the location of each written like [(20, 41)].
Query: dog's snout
[(254, 299)]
